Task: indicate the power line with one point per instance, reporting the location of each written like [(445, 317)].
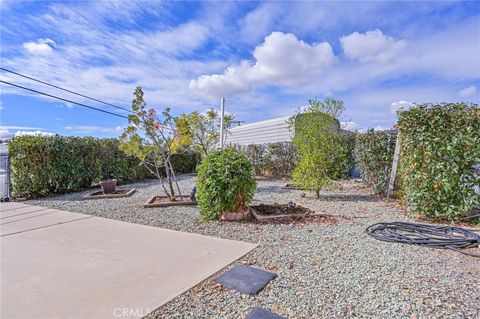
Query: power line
[(58, 87), (60, 98), (70, 101), (66, 90)]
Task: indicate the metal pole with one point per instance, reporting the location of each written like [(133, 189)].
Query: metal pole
[(393, 173), (222, 115)]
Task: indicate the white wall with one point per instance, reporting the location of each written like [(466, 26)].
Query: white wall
[(263, 132)]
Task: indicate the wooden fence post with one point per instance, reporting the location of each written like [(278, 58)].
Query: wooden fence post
[(393, 173)]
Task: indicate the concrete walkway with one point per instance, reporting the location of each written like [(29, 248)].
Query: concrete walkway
[(58, 264)]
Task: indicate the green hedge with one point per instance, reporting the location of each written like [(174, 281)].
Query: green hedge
[(51, 165), (278, 159), (275, 159), (374, 155), (440, 148), (185, 162), (346, 159)]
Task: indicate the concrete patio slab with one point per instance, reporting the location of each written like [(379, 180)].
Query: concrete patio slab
[(91, 267), (14, 209), (36, 220), (26, 214)]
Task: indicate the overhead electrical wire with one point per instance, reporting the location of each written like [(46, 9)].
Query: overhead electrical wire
[(63, 99), (66, 90), (70, 101), (433, 236)]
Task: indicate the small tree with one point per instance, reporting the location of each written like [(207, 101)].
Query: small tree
[(320, 143), (150, 139), (202, 131)]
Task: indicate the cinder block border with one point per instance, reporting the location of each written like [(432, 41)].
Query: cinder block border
[(261, 218), (101, 195), (186, 201)]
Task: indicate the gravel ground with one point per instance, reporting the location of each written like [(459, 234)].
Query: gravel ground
[(325, 269)]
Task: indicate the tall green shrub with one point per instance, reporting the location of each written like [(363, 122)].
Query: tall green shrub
[(279, 159), (374, 155), (224, 183), (323, 148), (440, 147), (52, 165)]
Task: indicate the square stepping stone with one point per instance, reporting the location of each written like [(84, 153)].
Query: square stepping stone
[(260, 313), (245, 279)]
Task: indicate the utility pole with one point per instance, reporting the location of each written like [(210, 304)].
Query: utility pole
[(222, 115)]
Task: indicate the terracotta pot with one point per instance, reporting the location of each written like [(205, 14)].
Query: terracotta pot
[(234, 216), (109, 186)]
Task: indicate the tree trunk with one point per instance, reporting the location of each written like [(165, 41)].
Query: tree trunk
[(160, 179), (317, 192), (175, 179), (166, 160)]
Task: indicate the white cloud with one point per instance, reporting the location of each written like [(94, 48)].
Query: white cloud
[(352, 126), (468, 91), (399, 105), (371, 46), (16, 127), (107, 63), (233, 80), (4, 133), (460, 61), (181, 39), (33, 133), (257, 23), (381, 128), (93, 129), (41, 46), (281, 59), (95, 58), (356, 127)]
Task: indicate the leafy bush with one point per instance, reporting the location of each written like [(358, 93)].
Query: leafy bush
[(257, 154), (224, 183), (279, 159), (439, 150), (344, 157), (374, 155), (185, 162), (50, 165), (275, 159)]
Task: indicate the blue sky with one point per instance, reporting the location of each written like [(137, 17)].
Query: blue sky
[(267, 58)]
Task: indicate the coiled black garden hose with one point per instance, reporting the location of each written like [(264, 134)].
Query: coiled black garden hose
[(440, 237)]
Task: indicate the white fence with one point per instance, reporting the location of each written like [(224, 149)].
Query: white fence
[(263, 132)]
